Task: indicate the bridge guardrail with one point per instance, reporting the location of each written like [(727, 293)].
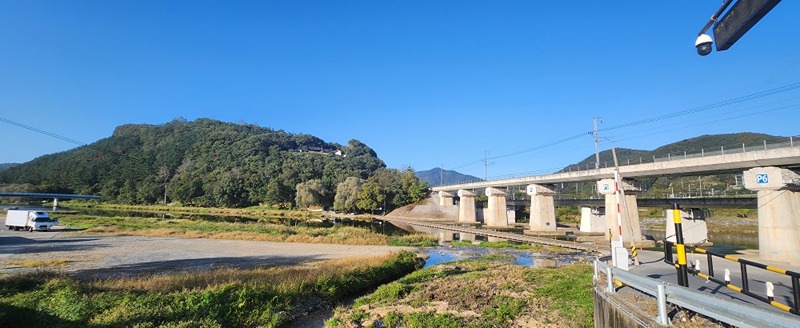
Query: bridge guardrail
[(743, 264), (728, 311)]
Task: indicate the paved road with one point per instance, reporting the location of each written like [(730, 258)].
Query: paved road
[(105, 256), (653, 266)]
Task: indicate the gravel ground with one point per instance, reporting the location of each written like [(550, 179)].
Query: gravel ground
[(109, 256)]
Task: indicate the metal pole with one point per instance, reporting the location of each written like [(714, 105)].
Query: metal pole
[(662, 305), (713, 19), (596, 145), (609, 280), (683, 272)]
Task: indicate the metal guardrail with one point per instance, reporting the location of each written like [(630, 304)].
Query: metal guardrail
[(745, 287), (724, 310)]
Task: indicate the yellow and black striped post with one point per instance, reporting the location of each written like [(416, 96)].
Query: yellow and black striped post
[(683, 270)]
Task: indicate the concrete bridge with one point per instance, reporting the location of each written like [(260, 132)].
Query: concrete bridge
[(53, 196), (769, 172)]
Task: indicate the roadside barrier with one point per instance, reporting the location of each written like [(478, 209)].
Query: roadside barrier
[(745, 283), (732, 312)]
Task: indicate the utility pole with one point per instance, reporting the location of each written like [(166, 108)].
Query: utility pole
[(485, 165), (596, 135), (441, 175)]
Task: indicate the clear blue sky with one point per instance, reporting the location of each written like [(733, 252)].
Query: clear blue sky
[(424, 83)]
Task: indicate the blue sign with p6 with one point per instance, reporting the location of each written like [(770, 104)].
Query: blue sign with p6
[(762, 178)]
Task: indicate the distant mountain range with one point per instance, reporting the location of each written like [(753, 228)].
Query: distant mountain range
[(696, 145), (436, 176)]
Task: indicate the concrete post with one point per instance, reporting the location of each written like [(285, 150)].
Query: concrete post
[(495, 215), (543, 209), (693, 223), (445, 236), (445, 198), (466, 207), (631, 229), (778, 207), (593, 219), (463, 236)]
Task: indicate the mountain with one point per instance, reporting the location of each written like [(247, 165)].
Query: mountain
[(436, 176), (705, 143), (203, 162), (5, 166)]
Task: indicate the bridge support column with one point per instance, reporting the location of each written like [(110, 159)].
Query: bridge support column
[(55, 203), (466, 207), (593, 219), (778, 208), (445, 236), (445, 198), (496, 215), (463, 236), (631, 229), (543, 208), (693, 224)]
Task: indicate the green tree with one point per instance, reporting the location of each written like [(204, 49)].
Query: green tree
[(347, 194), (311, 193)]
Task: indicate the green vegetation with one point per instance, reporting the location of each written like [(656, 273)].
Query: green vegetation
[(216, 164), (262, 297), (477, 293), (261, 230), (507, 244)]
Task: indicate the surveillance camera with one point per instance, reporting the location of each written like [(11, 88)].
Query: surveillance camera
[(703, 44)]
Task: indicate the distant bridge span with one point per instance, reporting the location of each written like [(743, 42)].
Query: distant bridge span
[(788, 157), (54, 196), (710, 202)]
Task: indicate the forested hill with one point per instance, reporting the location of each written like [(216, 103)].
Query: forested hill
[(4, 166), (436, 176), (202, 162), (705, 143)]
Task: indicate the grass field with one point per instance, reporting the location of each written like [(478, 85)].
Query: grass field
[(259, 230), (260, 297)]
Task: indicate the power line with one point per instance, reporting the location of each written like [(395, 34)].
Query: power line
[(47, 133), (57, 136), (723, 103)]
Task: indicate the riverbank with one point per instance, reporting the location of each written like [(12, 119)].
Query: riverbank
[(255, 297), (477, 293), (254, 230)]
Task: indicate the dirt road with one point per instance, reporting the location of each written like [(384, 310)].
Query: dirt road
[(107, 256)]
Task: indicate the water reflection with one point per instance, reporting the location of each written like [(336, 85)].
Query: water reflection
[(440, 255), (724, 242)]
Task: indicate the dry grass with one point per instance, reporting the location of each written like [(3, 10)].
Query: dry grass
[(285, 277), (343, 236), (35, 263)]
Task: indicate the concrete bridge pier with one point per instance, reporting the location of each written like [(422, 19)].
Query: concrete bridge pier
[(631, 229), (463, 236), (543, 208), (693, 222), (445, 198), (593, 219), (55, 203), (466, 207), (496, 215), (778, 207)]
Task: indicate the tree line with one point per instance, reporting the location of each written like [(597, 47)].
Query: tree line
[(217, 164)]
